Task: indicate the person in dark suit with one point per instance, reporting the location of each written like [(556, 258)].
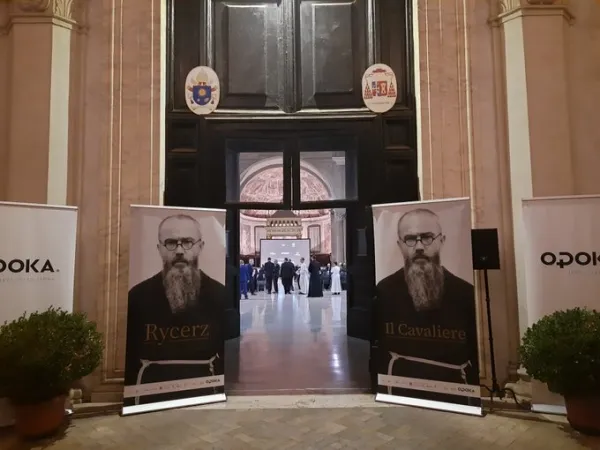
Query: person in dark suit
[(427, 313), (269, 274), (244, 279), (251, 278), (276, 270), (315, 283), (173, 316), (287, 275)]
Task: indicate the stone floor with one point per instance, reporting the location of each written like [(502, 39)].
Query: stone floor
[(312, 422), (291, 344)]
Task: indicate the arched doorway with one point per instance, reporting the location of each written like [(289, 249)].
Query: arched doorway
[(265, 185), (290, 83), (308, 336)]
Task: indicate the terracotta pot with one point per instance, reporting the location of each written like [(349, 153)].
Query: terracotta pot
[(583, 413), (40, 420)]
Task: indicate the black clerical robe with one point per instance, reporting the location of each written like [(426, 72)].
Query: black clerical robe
[(446, 335), (315, 285), (154, 333)]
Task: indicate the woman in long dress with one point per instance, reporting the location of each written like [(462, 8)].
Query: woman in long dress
[(336, 283), (315, 285), (303, 278)]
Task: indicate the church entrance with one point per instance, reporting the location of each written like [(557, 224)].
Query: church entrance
[(292, 207), (291, 342), (291, 133)]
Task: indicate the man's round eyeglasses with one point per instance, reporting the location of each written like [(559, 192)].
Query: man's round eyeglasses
[(426, 239), (186, 244)]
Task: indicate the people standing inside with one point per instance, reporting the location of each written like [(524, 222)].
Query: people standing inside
[(287, 275), (326, 277), (344, 276), (251, 277), (260, 278), (297, 276), (336, 283), (315, 287), (269, 267), (304, 278), (244, 277), (276, 270)]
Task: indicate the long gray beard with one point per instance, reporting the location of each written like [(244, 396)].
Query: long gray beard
[(181, 287), (425, 284)]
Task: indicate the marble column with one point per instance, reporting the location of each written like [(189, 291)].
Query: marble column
[(123, 63), (333, 236), (537, 95), (338, 218), (38, 105), (462, 144)]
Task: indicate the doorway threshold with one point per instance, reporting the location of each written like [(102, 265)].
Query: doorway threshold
[(304, 391), (297, 401)]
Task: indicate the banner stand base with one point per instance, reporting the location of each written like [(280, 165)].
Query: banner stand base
[(549, 409), (172, 404), (430, 404)]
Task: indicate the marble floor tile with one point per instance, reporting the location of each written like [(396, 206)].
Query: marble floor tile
[(292, 344)]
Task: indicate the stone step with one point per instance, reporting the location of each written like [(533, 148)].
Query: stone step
[(81, 410)]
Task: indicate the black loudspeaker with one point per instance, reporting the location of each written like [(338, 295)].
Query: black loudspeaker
[(486, 252)]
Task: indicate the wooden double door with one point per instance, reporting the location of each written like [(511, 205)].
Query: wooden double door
[(337, 155)]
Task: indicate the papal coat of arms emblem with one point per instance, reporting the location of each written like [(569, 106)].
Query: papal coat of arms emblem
[(379, 88), (202, 90)]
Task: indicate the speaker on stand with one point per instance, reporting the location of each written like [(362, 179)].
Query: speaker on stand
[(486, 256)]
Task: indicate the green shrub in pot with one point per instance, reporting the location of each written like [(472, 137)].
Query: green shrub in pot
[(42, 354), (563, 350)]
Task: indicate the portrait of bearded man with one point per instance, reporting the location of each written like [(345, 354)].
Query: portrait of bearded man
[(432, 311), (176, 314)]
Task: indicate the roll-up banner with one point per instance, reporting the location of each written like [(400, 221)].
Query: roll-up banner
[(425, 306), (562, 266), (175, 336), (37, 264)]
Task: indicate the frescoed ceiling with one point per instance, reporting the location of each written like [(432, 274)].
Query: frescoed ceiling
[(266, 186)]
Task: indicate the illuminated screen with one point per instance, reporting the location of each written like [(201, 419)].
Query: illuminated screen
[(278, 249)]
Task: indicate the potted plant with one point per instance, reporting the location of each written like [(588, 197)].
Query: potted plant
[(41, 356), (563, 351)]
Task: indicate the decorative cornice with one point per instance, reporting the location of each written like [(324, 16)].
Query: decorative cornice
[(508, 9), (511, 5), (53, 9)]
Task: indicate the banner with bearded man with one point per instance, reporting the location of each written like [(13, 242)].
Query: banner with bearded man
[(425, 306), (175, 308)]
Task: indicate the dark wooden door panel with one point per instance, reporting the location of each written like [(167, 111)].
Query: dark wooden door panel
[(332, 53), (246, 53), (288, 55), (184, 48), (361, 271), (181, 179), (400, 182), (394, 45), (232, 275)]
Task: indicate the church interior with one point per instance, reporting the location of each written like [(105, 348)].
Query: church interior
[(292, 344)]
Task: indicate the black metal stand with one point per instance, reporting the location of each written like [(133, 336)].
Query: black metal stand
[(495, 390)]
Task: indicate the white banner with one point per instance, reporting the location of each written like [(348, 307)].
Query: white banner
[(426, 313), (37, 263), (175, 345), (562, 265)]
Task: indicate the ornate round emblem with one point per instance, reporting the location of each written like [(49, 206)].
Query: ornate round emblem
[(202, 90), (379, 88)]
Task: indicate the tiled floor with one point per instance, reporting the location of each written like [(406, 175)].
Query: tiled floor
[(312, 422), (295, 344), (291, 344)]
